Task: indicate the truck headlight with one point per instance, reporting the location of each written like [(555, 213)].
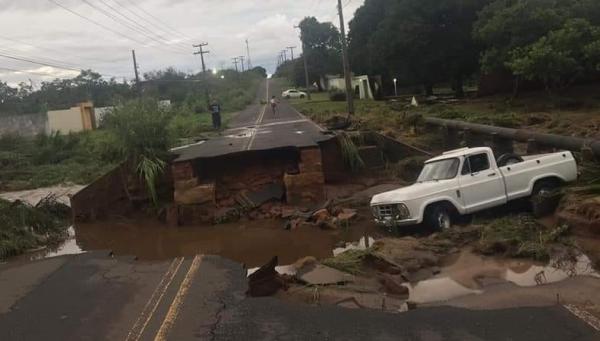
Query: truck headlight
[(402, 212)]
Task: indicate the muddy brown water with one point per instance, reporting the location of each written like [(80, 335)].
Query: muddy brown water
[(253, 243)]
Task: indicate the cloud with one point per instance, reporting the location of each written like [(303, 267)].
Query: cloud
[(52, 32)]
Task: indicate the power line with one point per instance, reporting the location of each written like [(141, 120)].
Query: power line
[(159, 21), (126, 24), (95, 22), (168, 31)]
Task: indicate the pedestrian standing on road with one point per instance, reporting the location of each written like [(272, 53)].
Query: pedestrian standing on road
[(215, 110), (274, 104)]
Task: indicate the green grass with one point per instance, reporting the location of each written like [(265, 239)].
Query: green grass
[(24, 227), (520, 236), (350, 261)]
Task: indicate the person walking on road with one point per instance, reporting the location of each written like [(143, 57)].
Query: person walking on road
[(215, 110), (274, 104)]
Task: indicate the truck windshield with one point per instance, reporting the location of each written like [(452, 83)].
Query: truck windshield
[(439, 170)]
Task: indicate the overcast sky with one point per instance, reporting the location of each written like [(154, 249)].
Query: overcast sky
[(40, 30)]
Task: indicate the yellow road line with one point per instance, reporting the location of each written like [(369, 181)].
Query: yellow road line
[(150, 308), (171, 316), (258, 122)]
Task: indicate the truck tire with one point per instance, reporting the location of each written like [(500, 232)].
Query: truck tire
[(544, 198), (508, 159), (438, 218)]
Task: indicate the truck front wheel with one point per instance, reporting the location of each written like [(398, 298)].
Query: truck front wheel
[(438, 218)]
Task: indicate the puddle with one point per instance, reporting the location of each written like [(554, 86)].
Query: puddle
[(253, 243), (469, 274), (68, 247)]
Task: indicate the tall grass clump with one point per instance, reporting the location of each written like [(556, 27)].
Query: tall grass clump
[(140, 128), (350, 153)]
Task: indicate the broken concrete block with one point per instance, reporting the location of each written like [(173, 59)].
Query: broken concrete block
[(391, 286), (182, 171), (186, 184), (265, 281), (196, 195), (321, 215), (319, 274)]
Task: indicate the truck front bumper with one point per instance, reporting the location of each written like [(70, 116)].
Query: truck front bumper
[(390, 222)]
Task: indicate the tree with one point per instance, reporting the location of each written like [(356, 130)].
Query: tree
[(366, 20), (560, 57), (424, 41), (322, 46)]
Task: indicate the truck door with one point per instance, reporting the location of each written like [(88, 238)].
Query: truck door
[(481, 186)]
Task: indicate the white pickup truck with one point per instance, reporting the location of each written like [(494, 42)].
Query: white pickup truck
[(467, 180)]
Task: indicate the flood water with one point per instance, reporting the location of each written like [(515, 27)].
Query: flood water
[(468, 273), (253, 243)]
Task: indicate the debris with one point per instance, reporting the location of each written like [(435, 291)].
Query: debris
[(390, 286), (321, 215), (197, 195), (254, 199), (346, 215), (265, 281), (293, 224), (227, 215), (319, 274), (414, 102)]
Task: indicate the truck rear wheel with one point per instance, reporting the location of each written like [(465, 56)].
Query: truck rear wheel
[(544, 198), (438, 218)]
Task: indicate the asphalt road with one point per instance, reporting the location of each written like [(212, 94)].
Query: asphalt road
[(260, 128)]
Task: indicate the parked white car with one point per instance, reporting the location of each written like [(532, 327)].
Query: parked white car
[(293, 93), (469, 180)]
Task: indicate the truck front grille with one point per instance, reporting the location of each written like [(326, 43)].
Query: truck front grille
[(384, 211)]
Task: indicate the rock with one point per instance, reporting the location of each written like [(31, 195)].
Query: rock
[(319, 274), (265, 281), (346, 215), (227, 215), (304, 262), (321, 215), (390, 286)]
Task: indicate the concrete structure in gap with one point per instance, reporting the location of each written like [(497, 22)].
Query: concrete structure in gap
[(361, 85), (73, 120)]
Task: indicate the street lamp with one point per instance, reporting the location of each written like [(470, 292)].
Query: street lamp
[(395, 87)]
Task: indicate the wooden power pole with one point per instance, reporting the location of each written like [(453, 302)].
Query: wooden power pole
[(201, 52), (347, 72), (137, 74), (291, 48)]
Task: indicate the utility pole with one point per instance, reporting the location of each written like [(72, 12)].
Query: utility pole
[(242, 61), (347, 75), (305, 66), (201, 52), (235, 62), (137, 74), (284, 55), (249, 62), (292, 50)]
